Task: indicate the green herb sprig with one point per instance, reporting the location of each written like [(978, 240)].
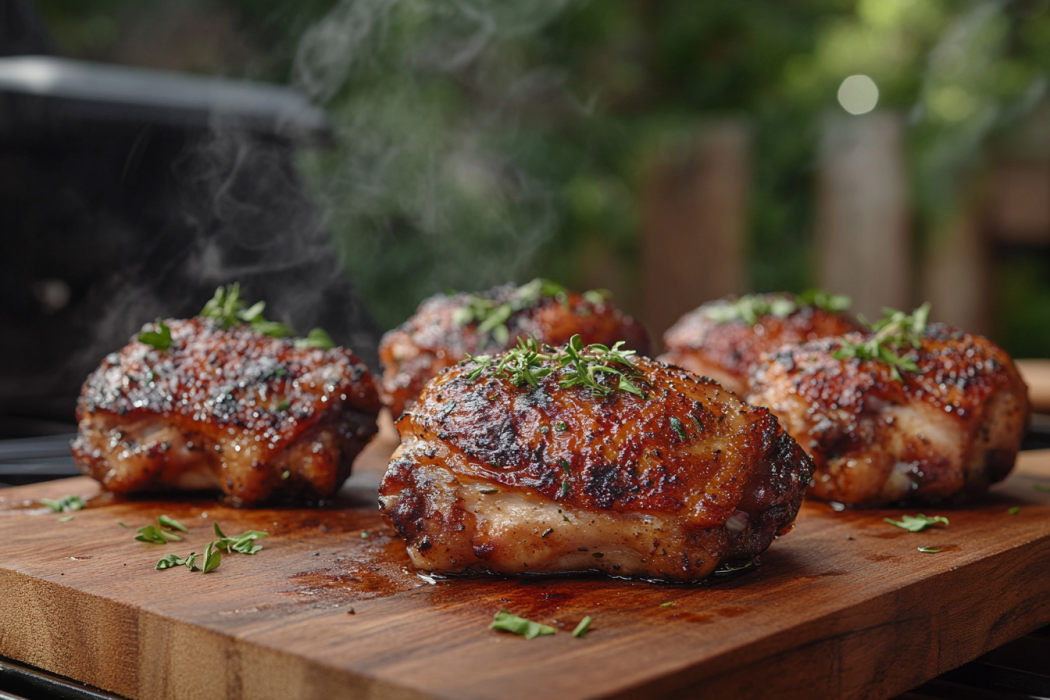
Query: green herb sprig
[(211, 558), (917, 523), (891, 334), (504, 620), (579, 365), (228, 309), (159, 339), (750, 307), (64, 504), (243, 543)]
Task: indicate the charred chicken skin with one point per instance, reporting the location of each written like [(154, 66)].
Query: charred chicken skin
[(540, 464), (725, 339), (229, 409), (943, 420), (446, 328)]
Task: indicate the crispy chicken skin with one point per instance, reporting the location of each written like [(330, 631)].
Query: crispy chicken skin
[(496, 478), (431, 340), (948, 430), (225, 409), (727, 351)]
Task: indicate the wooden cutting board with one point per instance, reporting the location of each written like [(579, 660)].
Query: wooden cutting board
[(844, 606)]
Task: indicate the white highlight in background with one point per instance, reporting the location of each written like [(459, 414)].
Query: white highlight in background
[(858, 94)]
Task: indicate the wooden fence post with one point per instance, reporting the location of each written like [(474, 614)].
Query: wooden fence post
[(694, 222), (864, 245)]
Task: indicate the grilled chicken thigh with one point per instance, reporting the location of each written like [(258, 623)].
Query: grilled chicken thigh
[(725, 339), (229, 409), (446, 328), (534, 470), (947, 421)]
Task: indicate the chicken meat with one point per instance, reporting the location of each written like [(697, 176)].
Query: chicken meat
[(942, 419), (446, 328), (542, 461), (725, 339), (230, 409)]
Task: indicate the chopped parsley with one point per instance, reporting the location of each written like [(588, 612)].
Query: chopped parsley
[(64, 504), (917, 523), (581, 629), (893, 333), (579, 365), (159, 339), (507, 622)]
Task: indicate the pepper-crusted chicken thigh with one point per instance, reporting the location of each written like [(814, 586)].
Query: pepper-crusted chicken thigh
[(231, 409), (947, 421), (535, 471), (446, 328), (725, 339)]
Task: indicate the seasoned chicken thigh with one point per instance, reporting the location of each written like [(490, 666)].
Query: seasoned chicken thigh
[(578, 459), (230, 409), (446, 328), (921, 423), (725, 339)]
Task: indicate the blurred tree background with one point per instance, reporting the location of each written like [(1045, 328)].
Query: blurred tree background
[(484, 140)]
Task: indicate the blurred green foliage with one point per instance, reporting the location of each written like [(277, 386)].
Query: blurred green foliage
[(485, 140)]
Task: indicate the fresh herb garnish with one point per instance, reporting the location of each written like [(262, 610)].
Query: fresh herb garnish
[(228, 309), (316, 338), (211, 558), (679, 429), (928, 550), (917, 523), (1041, 487), (286, 474), (159, 339), (579, 365), (750, 307), (171, 524), (172, 561), (1015, 510), (581, 629), (894, 332), (504, 620), (365, 534), (667, 605), (492, 316), (284, 405), (243, 543), (154, 535), (66, 503)]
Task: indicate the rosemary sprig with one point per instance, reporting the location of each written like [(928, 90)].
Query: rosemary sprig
[(750, 307), (579, 365), (892, 333)]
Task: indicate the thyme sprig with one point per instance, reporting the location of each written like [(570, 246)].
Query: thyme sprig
[(492, 316), (894, 332), (579, 365), (750, 307), (229, 309)]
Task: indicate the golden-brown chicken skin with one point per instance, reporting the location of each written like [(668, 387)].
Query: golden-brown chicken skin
[(725, 347), (443, 331), (947, 430), (493, 477), (230, 409)]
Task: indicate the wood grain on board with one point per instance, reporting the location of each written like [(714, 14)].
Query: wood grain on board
[(844, 606)]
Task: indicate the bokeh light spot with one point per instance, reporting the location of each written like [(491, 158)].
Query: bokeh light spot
[(858, 94)]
